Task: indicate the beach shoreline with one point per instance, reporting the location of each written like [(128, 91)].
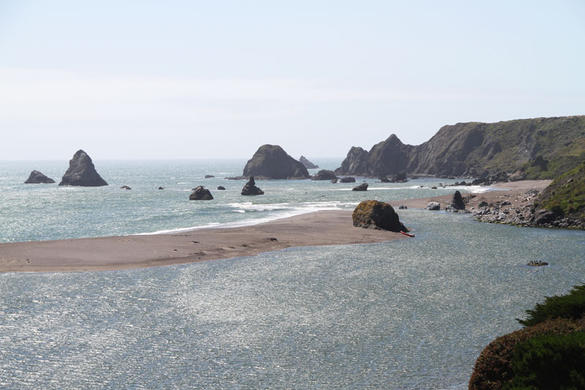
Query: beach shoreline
[(327, 227)]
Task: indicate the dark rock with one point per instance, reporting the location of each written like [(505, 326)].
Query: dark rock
[(399, 178), (537, 263), (457, 202), (271, 161), (356, 163), (384, 179), (402, 207), (324, 174), (221, 188), (361, 187), (161, 188), (82, 172), (125, 188), (483, 203), (209, 176), (251, 189), (544, 217), (347, 179), (433, 206), (37, 177), (237, 178), (200, 193), (334, 180), (378, 215), (309, 165), (433, 188)]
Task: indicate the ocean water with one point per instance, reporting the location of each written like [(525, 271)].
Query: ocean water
[(407, 314)]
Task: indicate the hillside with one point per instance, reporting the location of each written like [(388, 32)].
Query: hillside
[(540, 148), (565, 196)]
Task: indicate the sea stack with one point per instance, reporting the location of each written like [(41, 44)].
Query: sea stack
[(200, 193), (251, 189), (272, 162), (37, 177), (82, 172), (308, 164)]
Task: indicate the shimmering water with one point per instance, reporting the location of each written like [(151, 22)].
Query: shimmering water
[(408, 314), (46, 211)]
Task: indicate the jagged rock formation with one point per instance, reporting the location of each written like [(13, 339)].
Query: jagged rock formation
[(377, 215), (200, 193), (251, 189), (324, 174), (82, 172), (361, 187), (37, 177), (272, 162), (356, 163), (308, 164), (537, 148)]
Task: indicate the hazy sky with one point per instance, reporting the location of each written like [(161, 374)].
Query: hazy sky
[(200, 79)]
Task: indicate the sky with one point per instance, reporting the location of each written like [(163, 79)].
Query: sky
[(217, 79)]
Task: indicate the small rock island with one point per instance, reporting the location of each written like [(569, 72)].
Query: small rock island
[(37, 177), (82, 172), (272, 162)]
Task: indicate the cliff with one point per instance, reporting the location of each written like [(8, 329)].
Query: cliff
[(539, 148)]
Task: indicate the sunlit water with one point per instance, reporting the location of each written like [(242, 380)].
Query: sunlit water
[(407, 314)]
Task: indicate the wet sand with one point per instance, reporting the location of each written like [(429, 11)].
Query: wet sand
[(108, 253), (319, 228)]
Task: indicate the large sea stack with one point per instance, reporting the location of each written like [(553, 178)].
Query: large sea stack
[(539, 148), (37, 177), (82, 172), (272, 162)]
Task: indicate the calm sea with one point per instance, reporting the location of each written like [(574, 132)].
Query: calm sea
[(408, 314)]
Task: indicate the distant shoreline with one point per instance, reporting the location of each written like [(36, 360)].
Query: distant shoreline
[(330, 227)]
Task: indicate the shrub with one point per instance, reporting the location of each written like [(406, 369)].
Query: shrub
[(570, 306), (553, 361)]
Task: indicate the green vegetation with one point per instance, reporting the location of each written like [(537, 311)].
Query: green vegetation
[(549, 353), (551, 361), (566, 194), (570, 306)]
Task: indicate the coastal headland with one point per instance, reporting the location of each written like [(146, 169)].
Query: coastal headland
[(330, 227)]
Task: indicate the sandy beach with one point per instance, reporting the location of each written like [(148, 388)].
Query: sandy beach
[(319, 228)]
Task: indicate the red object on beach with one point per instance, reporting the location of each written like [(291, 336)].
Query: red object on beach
[(407, 234)]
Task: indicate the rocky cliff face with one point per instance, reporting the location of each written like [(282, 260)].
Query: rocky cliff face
[(272, 162), (537, 148), (82, 172)]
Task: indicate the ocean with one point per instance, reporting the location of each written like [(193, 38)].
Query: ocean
[(406, 314)]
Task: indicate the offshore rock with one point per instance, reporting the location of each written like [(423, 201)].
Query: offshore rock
[(37, 177), (347, 179), (272, 162), (200, 193), (377, 215), (361, 187), (220, 188), (457, 202), (356, 163), (251, 189), (324, 174), (82, 172), (308, 164)]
